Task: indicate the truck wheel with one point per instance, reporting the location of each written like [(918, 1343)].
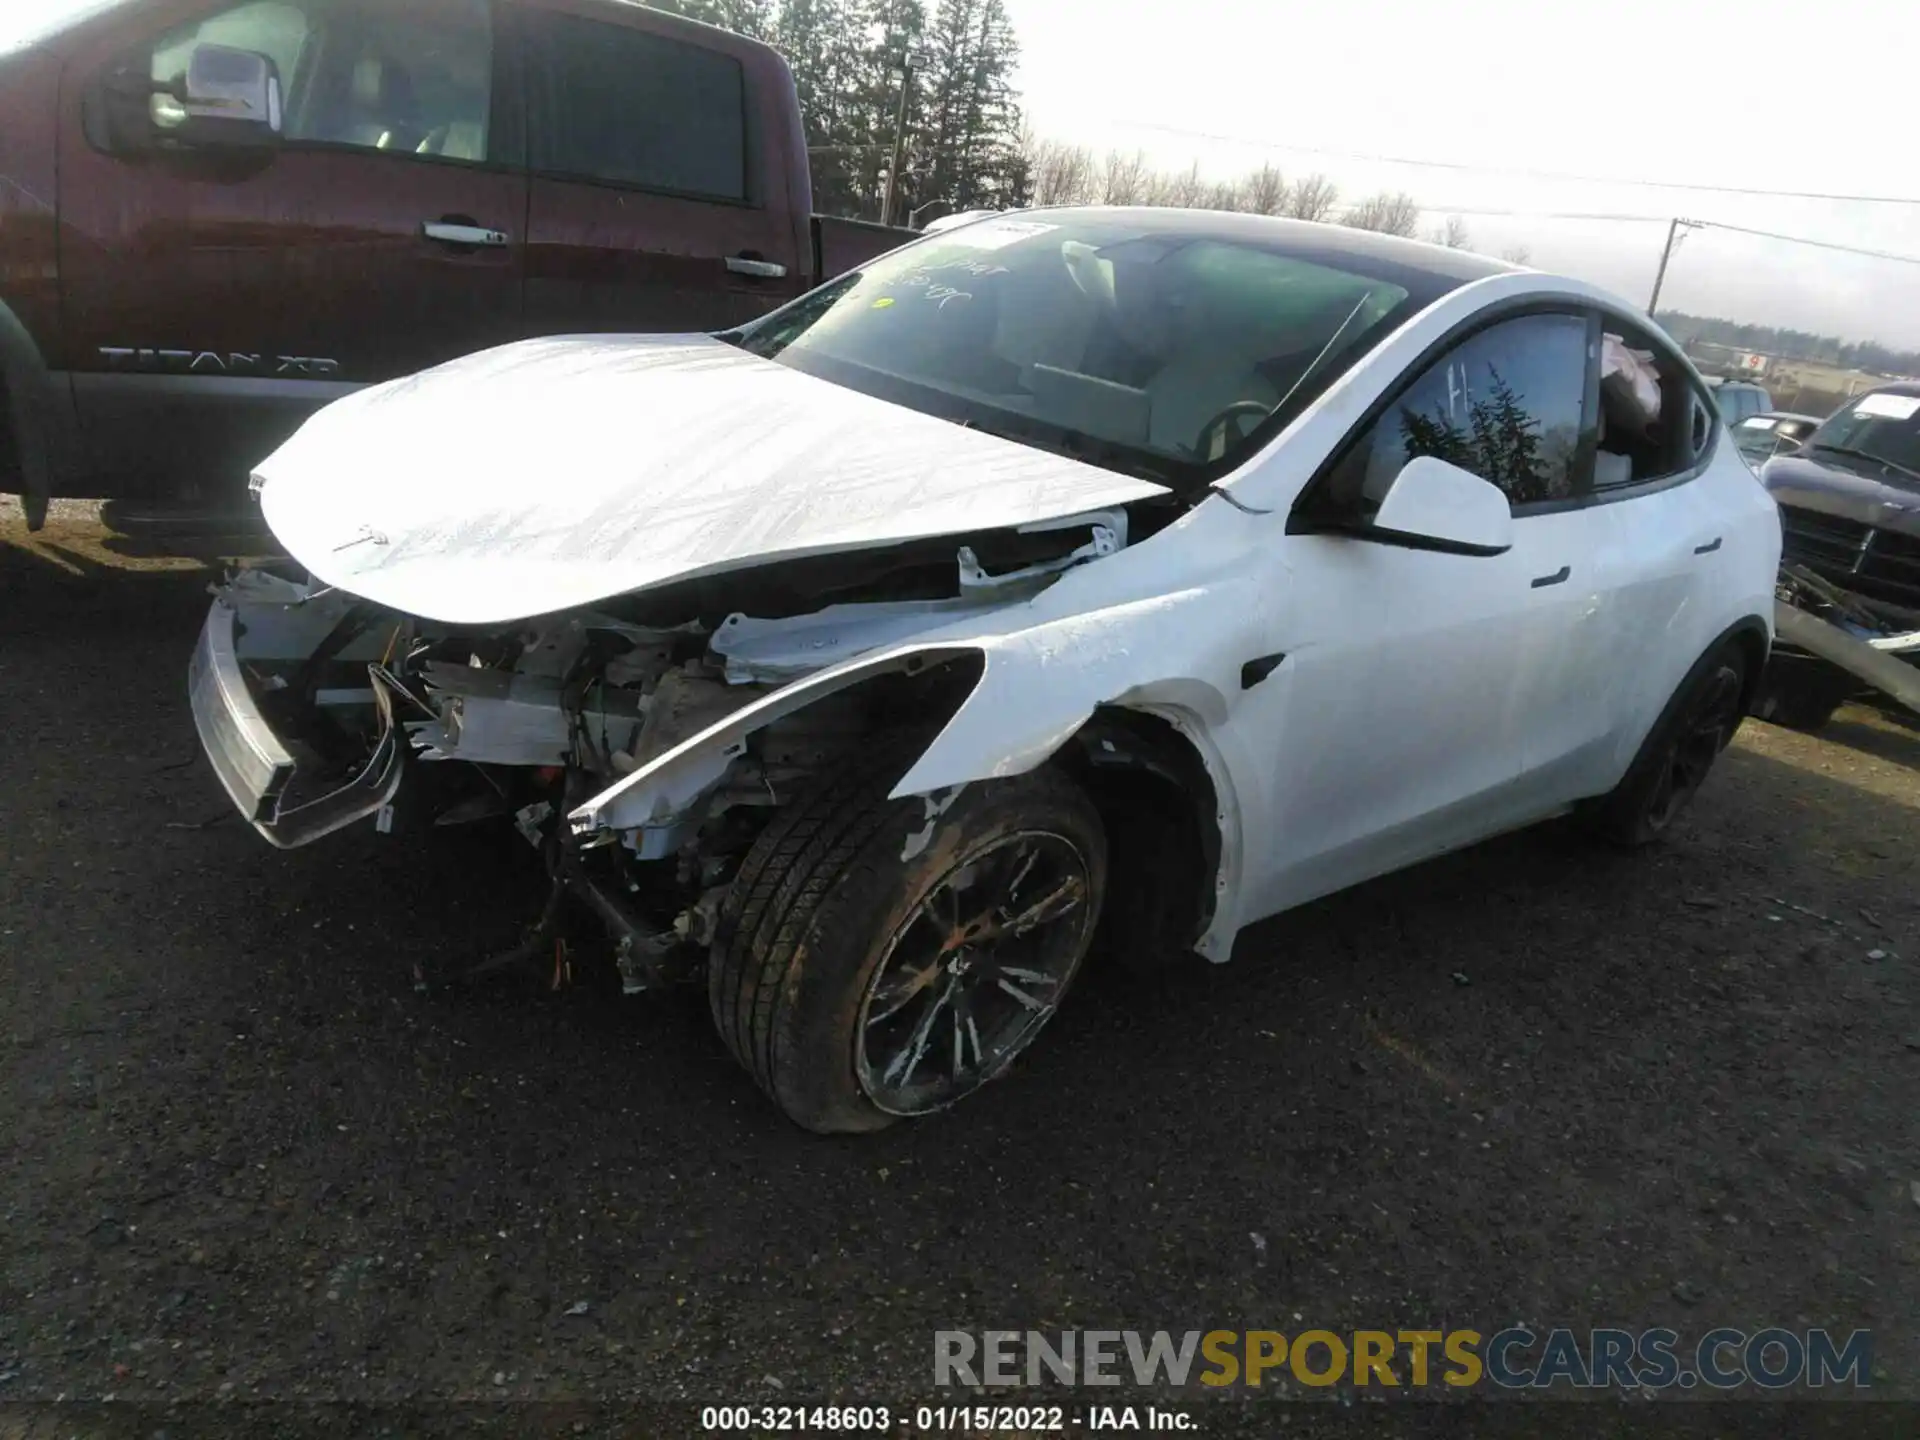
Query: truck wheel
[(880, 958), (1673, 763)]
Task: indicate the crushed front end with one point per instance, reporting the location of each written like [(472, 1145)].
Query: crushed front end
[(318, 709)]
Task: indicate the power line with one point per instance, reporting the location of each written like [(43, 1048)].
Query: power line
[(1802, 240), (1522, 171)]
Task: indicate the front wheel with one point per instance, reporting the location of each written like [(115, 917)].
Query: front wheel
[(877, 959), (1673, 763)]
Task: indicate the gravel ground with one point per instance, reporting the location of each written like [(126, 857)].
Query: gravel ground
[(1533, 1082)]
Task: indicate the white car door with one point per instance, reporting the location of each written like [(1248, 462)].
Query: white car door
[(1426, 691), (1667, 532)]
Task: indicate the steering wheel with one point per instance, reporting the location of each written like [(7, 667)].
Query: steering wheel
[(1203, 442)]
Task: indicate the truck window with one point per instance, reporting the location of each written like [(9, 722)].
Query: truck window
[(414, 79), (618, 104), (273, 28)]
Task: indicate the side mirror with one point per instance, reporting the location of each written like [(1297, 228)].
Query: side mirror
[(1433, 505), (229, 99)]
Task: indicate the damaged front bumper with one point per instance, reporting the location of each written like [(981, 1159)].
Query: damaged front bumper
[(257, 769)]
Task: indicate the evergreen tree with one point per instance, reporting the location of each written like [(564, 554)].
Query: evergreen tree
[(973, 122), (824, 48), (1508, 440), (1437, 436)]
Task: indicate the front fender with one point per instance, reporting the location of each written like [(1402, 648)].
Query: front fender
[(667, 786), (1176, 656), (1167, 652)]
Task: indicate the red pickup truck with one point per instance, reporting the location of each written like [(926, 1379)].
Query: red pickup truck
[(217, 215)]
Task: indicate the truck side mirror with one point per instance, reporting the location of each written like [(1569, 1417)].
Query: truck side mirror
[(229, 99)]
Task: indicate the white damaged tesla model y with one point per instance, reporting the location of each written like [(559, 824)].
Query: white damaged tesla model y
[(1066, 580)]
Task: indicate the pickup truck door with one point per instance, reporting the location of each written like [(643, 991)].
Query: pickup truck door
[(212, 297), (662, 156)]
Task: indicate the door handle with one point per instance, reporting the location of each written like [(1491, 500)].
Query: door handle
[(1707, 549), (1558, 577), (450, 232), (758, 269)]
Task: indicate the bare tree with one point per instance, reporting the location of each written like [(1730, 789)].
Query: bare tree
[(1264, 192), (1517, 255), (1223, 195), (1061, 174), (1186, 188), (1123, 179), (1391, 213), (1312, 199), (1453, 234)]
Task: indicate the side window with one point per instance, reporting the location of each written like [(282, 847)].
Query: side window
[(1507, 403), (277, 29), (614, 103), (414, 78), (1655, 423)]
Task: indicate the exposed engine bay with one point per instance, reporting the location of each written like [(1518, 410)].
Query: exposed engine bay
[(425, 725)]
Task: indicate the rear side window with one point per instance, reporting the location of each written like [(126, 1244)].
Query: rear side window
[(622, 105), (1642, 446)]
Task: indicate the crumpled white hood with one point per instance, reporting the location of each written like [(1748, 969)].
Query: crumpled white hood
[(557, 473)]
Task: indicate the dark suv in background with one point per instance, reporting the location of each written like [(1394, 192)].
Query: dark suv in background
[(1849, 500), (217, 215)]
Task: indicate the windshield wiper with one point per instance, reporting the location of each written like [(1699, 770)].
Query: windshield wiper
[(1863, 455)]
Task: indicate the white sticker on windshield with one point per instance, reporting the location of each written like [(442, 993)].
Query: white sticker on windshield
[(1756, 423), (1887, 407), (992, 234)]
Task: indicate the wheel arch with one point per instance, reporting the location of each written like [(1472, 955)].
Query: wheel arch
[(1755, 639), (1168, 831)]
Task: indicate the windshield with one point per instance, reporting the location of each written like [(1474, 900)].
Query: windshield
[(1151, 352), (1879, 426)]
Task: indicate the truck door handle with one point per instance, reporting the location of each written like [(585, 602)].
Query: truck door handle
[(1558, 577), (1707, 549), (757, 268), (453, 232)]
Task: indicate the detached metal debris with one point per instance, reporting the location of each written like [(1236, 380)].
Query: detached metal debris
[(1872, 641)]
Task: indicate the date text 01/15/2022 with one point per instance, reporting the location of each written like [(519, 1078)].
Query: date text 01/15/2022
[(934, 1419)]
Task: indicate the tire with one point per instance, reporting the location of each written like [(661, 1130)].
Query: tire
[(1673, 763), (1797, 702), (846, 890)]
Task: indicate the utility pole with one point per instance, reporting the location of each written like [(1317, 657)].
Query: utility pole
[(1666, 254), (891, 201)]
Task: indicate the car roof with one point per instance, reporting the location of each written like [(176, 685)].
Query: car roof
[(1366, 250)]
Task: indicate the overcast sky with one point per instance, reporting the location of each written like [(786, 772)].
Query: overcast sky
[(1757, 94)]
